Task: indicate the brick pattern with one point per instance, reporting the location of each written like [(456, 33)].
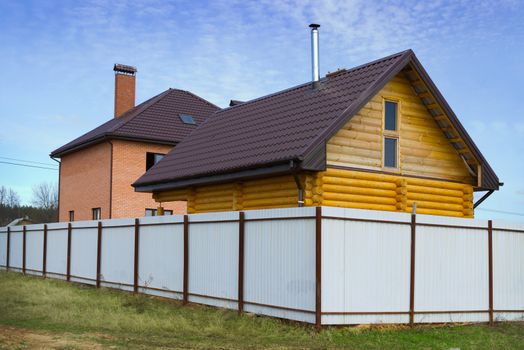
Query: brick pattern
[(124, 93), (84, 182), (129, 163)]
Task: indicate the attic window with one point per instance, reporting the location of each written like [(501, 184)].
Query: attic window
[(187, 119), (390, 116)]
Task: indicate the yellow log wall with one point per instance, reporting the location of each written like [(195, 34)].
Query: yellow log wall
[(424, 149), (366, 190), (274, 192)]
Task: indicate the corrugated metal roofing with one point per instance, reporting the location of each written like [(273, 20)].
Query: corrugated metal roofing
[(155, 120), (288, 125)]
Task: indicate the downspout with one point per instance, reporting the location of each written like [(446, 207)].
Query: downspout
[(111, 181), (59, 175), (300, 188)]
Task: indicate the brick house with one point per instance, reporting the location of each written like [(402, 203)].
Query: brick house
[(97, 168)]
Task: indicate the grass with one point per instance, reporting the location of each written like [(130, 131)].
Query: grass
[(72, 316)]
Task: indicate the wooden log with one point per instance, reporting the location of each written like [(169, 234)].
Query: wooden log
[(358, 183), (371, 206), (359, 190), (437, 212), (202, 199), (214, 206), (434, 190), (352, 143), (436, 205), (355, 135), (341, 197), (352, 174), (437, 184), (355, 150), (272, 194), (269, 181), (434, 198), (271, 201)]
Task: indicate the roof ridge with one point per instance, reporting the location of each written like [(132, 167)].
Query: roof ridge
[(198, 97), (142, 107), (350, 70)]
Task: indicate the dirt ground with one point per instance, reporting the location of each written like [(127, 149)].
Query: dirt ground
[(19, 338)]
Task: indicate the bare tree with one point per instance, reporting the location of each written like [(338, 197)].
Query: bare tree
[(9, 197), (45, 195)]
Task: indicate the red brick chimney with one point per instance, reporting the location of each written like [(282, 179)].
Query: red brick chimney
[(125, 82)]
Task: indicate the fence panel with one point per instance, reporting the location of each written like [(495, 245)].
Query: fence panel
[(3, 246), (84, 241), (118, 253), (508, 271), (451, 270), (57, 250), (16, 248), (213, 259), (279, 267), (365, 267), (161, 256), (34, 249)]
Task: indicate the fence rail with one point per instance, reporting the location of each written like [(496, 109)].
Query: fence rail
[(317, 265)]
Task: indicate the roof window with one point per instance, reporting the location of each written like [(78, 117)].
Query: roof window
[(187, 119)]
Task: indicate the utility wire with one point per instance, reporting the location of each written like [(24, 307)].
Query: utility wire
[(27, 161), (501, 211), (29, 166)]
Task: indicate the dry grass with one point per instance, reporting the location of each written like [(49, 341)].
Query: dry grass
[(78, 316)]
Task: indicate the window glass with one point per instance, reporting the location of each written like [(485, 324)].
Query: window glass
[(390, 152), (152, 159), (97, 213), (71, 215), (390, 122), (187, 119), (168, 212), (150, 212)]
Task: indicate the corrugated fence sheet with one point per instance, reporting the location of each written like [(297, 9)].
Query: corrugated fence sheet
[(280, 263), (367, 269), (508, 270), (34, 249), (451, 278), (365, 266), (161, 256), (84, 244)]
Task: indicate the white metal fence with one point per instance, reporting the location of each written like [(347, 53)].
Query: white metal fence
[(317, 265)]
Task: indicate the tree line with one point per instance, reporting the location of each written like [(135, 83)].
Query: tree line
[(43, 208)]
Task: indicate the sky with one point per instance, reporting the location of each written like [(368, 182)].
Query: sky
[(56, 60)]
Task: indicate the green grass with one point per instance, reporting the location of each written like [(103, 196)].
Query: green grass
[(118, 319)]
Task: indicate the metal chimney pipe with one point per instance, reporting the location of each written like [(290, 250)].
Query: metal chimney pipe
[(314, 54)]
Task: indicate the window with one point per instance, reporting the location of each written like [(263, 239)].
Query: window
[(390, 148), (390, 116), (152, 159), (187, 119), (153, 212), (390, 152), (71, 215), (97, 213)]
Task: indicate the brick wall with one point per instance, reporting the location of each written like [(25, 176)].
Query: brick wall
[(84, 182), (129, 163)]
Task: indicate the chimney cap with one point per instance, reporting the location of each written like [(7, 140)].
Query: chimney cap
[(314, 26), (122, 68)]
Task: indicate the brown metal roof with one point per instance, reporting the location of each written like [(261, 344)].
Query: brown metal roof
[(155, 120), (264, 135)]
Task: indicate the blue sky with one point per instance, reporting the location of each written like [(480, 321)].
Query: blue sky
[(57, 81)]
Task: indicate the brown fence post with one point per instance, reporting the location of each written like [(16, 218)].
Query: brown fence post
[(137, 237), (69, 229), (44, 253), (186, 260), (240, 262), (318, 267), (23, 249), (412, 270), (99, 254), (490, 261), (8, 248)]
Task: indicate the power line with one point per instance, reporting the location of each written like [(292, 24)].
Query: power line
[(501, 211), (28, 161), (29, 166)]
